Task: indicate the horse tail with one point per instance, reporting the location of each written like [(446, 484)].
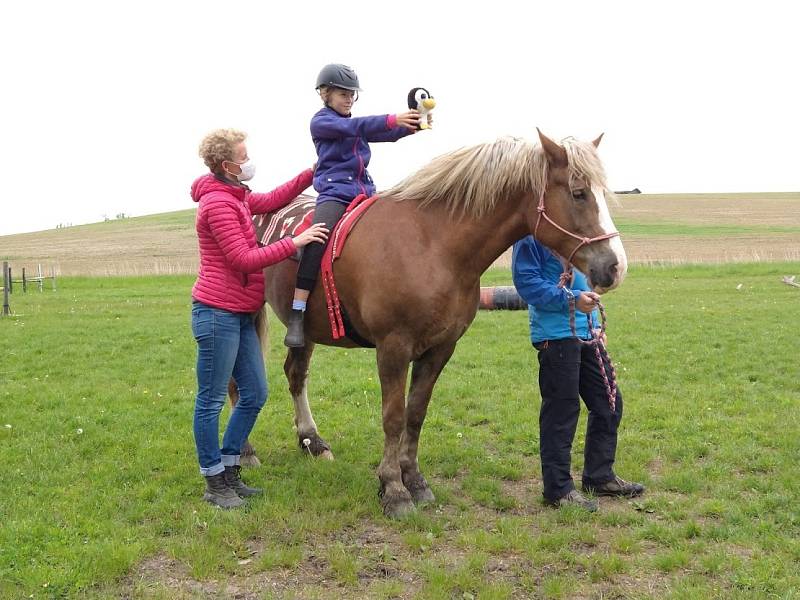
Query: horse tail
[(262, 330)]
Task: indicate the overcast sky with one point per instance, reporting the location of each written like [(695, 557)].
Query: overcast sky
[(104, 103)]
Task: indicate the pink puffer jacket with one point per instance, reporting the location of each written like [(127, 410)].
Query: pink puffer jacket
[(231, 261)]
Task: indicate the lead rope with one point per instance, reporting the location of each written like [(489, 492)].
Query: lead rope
[(607, 369)]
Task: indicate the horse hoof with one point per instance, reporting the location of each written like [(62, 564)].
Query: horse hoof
[(315, 446), (423, 496), (249, 460), (418, 488), (398, 508)]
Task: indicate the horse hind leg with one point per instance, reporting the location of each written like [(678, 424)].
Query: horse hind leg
[(296, 369), (424, 374), (248, 457)]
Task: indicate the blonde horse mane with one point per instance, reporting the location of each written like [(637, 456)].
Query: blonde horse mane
[(470, 181)]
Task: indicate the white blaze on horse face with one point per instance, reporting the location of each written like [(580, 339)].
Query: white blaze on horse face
[(608, 227)]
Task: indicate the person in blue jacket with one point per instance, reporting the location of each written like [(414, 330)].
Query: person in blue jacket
[(569, 369), (343, 153)]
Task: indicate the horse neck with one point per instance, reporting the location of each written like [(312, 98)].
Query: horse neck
[(481, 240)]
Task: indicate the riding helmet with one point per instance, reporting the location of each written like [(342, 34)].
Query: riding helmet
[(338, 75)]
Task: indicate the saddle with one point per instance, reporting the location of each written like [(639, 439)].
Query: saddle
[(296, 218)]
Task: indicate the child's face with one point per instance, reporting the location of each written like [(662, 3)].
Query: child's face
[(340, 100)]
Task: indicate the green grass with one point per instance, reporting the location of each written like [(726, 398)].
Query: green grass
[(100, 481)]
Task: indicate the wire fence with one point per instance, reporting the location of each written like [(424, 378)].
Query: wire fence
[(38, 279)]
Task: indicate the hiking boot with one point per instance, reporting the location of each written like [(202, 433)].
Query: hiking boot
[(233, 477), (219, 493), (615, 487), (294, 330), (575, 498)]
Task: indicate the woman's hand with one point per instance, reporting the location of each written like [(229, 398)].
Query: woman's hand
[(316, 233), (409, 120)]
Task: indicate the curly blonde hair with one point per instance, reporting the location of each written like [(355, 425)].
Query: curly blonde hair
[(218, 145)]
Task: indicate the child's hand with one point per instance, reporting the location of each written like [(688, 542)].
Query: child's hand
[(409, 120), (315, 233), (587, 302)]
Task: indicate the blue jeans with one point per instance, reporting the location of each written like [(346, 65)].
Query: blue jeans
[(227, 345)]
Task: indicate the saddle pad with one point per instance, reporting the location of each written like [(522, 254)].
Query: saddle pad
[(292, 219)]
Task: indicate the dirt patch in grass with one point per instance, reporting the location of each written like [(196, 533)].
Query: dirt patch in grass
[(312, 577)]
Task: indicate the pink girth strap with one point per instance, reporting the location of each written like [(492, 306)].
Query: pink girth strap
[(333, 250)]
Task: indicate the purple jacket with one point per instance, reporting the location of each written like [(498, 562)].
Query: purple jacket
[(343, 152)]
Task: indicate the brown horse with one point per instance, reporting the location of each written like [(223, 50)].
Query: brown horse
[(409, 275)]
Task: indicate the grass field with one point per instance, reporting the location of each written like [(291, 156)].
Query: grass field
[(101, 495), (656, 228)]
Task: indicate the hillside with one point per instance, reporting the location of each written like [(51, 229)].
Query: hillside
[(663, 228), (153, 244)]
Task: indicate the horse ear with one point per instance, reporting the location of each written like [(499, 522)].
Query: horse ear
[(596, 142), (556, 155)]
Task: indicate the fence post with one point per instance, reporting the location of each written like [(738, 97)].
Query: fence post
[(24, 282), (6, 280), (53, 273), (10, 284), (41, 279)]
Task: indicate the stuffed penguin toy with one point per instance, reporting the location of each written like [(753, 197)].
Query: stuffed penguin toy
[(421, 99)]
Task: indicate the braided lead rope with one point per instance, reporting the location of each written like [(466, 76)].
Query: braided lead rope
[(607, 369)]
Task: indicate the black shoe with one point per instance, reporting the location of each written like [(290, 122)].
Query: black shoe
[(575, 498), (219, 493), (233, 477), (294, 330), (615, 487)]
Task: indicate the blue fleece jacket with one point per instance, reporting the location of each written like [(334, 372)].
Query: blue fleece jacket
[(536, 272), (343, 152)]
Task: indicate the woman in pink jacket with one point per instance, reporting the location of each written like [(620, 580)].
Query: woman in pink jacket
[(228, 293)]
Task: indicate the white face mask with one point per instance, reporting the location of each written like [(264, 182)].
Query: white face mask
[(248, 170)]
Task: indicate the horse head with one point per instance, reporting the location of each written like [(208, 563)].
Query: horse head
[(572, 217)]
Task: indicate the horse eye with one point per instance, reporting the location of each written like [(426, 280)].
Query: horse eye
[(579, 194)]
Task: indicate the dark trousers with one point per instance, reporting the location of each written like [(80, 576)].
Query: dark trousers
[(328, 213), (567, 370)]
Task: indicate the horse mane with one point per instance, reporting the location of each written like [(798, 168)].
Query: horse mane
[(470, 181)]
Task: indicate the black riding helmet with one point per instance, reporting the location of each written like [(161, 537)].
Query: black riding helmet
[(340, 76)]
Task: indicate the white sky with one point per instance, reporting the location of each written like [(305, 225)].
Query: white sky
[(103, 104)]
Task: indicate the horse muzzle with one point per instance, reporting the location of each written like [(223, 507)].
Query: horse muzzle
[(607, 267)]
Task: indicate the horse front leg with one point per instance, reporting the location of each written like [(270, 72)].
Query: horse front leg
[(296, 369), (424, 374), (393, 362)]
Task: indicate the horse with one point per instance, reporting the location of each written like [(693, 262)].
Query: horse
[(409, 276)]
